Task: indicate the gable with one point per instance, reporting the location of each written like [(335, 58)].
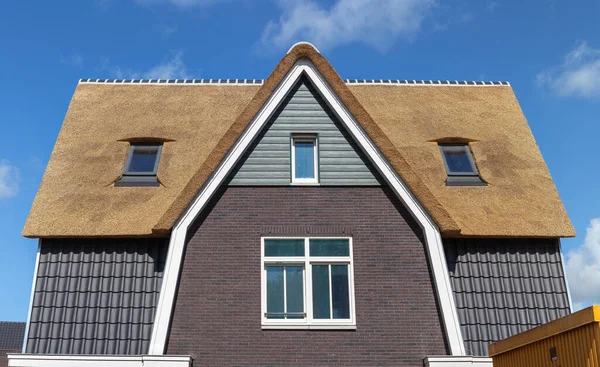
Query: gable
[(262, 108), (340, 160)]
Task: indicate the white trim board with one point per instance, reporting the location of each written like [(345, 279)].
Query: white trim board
[(432, 234), (34, 283), (460, 361), (54, 360), (566, 276)]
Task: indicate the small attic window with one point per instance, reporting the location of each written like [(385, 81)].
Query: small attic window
[(141, 166), (460, 166)]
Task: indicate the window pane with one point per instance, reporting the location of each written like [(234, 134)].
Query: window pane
[(143, 159), (333, 247), (320, 284), (284, 247), (340, 294), (305, 159), (295, 292), (457, 159), (275, 292)]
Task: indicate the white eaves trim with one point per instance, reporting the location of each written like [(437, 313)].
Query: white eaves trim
[(562, 263), (432, 234), (53, 360), (33, 285), (454, 361)]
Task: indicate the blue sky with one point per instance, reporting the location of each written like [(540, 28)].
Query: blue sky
[(549, 50)]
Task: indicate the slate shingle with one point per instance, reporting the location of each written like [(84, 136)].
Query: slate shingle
[(11, 335), (96, 296), (505, 286)]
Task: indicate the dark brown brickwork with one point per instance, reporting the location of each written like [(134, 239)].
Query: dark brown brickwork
[(4, 358), (217, 315)]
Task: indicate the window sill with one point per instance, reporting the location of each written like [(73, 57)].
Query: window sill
[(465, 181), (310, 327), (305, 184), (135, 181)]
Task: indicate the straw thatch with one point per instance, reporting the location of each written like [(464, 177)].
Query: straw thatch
[(77, 196)]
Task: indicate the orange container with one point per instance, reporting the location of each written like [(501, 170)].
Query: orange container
[(571, 341)]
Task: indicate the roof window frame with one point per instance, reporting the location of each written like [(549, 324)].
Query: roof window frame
[(144, 178), (465, 178)]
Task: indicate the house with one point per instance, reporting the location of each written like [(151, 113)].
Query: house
[(11, 339), (300, 220)]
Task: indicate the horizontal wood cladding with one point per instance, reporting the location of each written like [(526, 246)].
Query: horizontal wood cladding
[(268, 161), (217, 313)]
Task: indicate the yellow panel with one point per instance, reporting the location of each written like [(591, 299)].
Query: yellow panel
[(577, 347)]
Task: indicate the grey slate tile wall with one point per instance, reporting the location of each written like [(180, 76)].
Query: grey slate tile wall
[(96, 296), (11, 335), (505, 286)]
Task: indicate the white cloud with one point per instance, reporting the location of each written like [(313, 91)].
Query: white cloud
[(179, 3), (493, 5), (378, 23), (9, 180), (173, 68), (579, 74), (74, 59), (583, 268)]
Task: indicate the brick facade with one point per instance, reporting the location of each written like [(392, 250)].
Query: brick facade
[(217, 316)]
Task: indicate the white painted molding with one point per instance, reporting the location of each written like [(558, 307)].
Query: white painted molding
[(457, 361), (54, 360), (33, 285), (302, 43), (566, 276), (433, 239)]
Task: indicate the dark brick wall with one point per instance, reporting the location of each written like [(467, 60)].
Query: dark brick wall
[(217, 315), (4, 358)]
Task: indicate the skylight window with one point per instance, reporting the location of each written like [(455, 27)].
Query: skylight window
[(141, 166), (460, 166)]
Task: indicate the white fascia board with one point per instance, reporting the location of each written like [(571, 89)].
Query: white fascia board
[(33, 285), (566, 276), (458, 361), (53, 360), (433, 239)]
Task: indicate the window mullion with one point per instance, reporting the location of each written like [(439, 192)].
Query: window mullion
[(308, 282), (285, 292), (330, 295)]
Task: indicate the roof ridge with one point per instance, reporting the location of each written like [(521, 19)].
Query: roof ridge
[(428, 82), (458, 83)]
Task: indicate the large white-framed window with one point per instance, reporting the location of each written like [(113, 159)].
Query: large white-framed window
[(305, 159), (307, 283)]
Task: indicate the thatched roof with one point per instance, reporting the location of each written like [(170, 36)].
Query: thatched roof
[(201, 122)]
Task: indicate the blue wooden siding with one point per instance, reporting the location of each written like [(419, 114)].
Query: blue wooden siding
[(268, 161)]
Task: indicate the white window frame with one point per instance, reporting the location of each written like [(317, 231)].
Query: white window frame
[(307, 261), (312, 138)]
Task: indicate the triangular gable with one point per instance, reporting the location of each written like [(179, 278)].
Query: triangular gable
[(340, 161), (256, 106), (302, 60)]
